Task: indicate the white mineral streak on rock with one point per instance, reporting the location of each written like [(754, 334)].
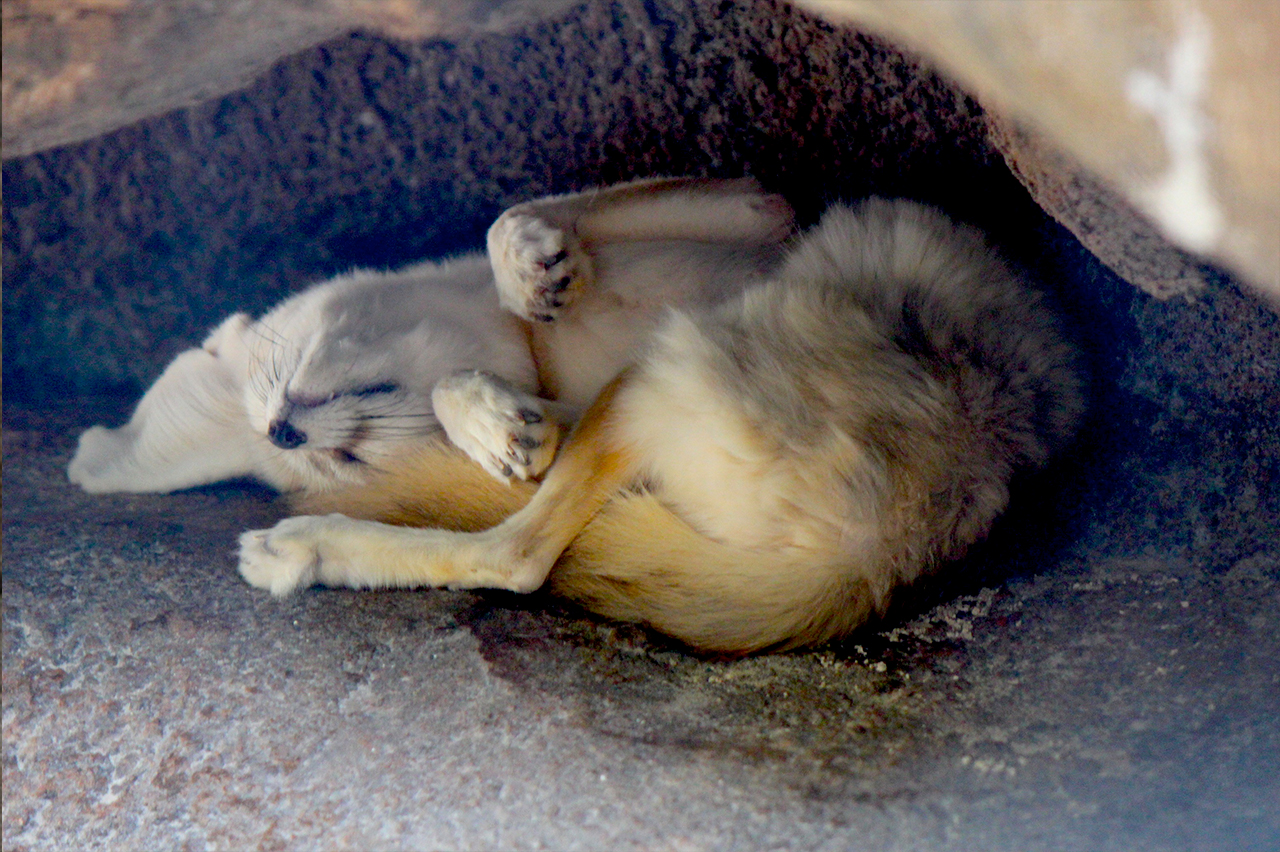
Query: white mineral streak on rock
[(1182, 200)]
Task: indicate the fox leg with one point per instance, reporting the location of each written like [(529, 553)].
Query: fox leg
[(542, 250), (683, 208), (517, 555)]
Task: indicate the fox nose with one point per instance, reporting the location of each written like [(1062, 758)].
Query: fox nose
[(285, 435)]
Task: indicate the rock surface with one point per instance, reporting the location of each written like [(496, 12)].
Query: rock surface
[(122, 250), (1175, 107), (74, 69), (1102, 675)]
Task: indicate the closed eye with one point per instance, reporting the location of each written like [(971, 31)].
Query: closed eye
[(304, 401), (374, 390)]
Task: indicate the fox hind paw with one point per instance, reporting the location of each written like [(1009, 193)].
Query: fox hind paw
[(537, 266)]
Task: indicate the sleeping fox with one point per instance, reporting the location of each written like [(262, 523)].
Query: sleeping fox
[(742, 436), (342, 379), (766, 469)]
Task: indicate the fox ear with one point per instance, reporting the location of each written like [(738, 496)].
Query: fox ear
[(229, 340), (189, 429)]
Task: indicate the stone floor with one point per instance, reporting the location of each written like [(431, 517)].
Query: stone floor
[(1103, 674), (1105, 679)]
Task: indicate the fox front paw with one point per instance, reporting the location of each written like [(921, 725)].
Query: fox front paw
[(537, 266), (509, 432), (284, 558)]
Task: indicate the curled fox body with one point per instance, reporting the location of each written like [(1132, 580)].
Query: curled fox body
[(337, 383), (760, 465)]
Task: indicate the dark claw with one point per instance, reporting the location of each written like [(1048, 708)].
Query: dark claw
[(528, 415), (556, 303), (555, 258), (506, 469), (544, 317), (528, 442), (561, 285)]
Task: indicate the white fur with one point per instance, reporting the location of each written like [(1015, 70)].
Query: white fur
[(706, 452), (511, 434), (189, 430), (773, 465), (536, 264), (337, 381), (765, 444), (351, 364)]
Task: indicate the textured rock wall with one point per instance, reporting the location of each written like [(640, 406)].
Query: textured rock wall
[(122, 249), (80, 68), (1150, 118), (1108, 655), (1174, 107)]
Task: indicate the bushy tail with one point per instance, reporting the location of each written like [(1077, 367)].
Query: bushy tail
[(635, 561), (638, 561)]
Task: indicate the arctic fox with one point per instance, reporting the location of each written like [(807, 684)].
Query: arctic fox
[(762, 462), (339, 382)]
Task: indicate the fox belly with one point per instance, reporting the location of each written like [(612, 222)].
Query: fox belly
[(711, 449)]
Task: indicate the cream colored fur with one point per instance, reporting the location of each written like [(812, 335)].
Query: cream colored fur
[(338, 383), (768, 469)]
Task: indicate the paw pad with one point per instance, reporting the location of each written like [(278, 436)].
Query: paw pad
[(536, 265), (504, 429)]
